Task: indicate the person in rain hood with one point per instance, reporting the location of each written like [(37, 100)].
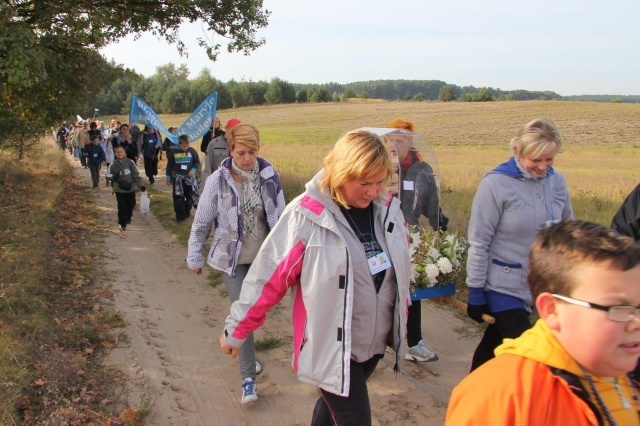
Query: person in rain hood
[(419, 197), (513, 202)]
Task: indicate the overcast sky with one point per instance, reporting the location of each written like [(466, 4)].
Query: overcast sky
[(572, 47)]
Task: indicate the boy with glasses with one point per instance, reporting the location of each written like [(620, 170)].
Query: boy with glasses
[(572, 367)]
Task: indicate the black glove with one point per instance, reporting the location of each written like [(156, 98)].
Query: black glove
[(143, 188), (475, 312)]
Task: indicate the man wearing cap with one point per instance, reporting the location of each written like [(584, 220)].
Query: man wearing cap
[(217, 150)]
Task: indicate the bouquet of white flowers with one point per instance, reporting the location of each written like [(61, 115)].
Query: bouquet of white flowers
[(437, 257)]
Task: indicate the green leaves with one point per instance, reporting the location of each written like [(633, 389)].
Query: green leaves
[(50, 67)]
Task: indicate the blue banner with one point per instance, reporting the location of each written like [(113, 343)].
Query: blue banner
[(195, 126)]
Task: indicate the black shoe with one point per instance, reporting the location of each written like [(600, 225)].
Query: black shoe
[(128, 221)]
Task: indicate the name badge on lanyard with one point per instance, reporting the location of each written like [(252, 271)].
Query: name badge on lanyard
[(379, 263)]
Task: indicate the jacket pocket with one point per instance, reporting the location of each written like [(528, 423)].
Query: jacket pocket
[(504, 275), (213, 248)]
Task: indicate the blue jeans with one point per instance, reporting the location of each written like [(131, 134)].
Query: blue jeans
[(83, 159)]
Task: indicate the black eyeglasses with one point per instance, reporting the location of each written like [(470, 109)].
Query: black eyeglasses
[(617, 313)]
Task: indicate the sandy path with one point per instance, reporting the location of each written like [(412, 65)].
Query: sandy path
[(173, 361)]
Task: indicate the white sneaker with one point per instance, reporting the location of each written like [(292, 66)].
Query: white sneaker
[(420, 353), (258, 368), (249, 391)]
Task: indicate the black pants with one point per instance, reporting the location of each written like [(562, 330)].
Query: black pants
[(182, 203), (126, 203), (509, 324), (355, 409), (151, 168), (95, 174), (414, 323)]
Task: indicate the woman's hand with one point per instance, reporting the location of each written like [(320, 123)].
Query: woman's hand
[(198, 271), (227, 348)]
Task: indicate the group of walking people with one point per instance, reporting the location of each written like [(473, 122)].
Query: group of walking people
[(342, 249)]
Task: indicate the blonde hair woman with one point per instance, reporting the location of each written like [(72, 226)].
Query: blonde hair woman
[(513, 202), (342, 249), (241, 203)]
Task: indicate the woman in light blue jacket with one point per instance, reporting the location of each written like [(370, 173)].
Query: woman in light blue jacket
[(241, 203), (512, 203)]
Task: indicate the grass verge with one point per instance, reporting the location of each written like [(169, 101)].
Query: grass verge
[(54, 298), (162, 208)]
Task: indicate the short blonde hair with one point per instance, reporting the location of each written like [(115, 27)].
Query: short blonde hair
[(536, 137), (246, 134), (357, 155)]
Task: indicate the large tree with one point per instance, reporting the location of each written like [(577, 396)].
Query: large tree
[(49, 60)]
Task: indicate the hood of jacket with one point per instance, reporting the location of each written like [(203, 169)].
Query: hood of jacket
[(539, 344), (511, 169)]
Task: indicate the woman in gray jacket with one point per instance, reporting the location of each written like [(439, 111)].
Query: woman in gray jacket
[(343, 250), (512, 203), (241, 203)]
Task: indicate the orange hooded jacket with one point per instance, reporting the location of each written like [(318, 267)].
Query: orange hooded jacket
[(518, 387)]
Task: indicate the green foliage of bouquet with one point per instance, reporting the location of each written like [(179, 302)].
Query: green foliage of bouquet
[(437, 257)]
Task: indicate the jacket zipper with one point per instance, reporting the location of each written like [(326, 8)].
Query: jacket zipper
[(344, 319)]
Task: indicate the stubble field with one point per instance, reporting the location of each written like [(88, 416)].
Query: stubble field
[(600, 159)]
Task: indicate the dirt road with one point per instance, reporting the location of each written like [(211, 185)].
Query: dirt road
[(173, 361)]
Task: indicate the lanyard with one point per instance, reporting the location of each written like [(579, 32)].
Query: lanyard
[(358, 229)]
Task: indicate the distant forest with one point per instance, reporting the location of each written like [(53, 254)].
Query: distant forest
[(171, 91)]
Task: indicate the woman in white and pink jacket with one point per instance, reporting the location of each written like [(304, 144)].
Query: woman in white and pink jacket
[(343, 250)]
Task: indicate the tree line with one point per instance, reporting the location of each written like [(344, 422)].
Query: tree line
[(171, 91)]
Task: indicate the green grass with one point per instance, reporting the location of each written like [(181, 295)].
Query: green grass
[(162, 208), (214, 278), (267, 343)]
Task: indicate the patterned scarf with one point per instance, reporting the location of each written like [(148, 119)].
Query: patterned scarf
[(250, 200)]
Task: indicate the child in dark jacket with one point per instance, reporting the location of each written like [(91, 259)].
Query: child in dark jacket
[(124, 176), (151, 147), (182, 164), (95, 156)]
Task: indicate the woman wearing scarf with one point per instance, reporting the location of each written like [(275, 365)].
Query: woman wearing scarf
[(241, 202)]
